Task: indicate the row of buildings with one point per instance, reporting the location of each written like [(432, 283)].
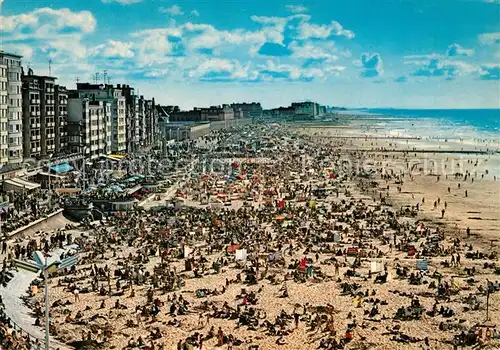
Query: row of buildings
[(40, 119), (216, 113), (296, 111)]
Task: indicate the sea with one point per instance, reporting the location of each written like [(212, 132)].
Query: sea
[(449, 124), (482, 119)]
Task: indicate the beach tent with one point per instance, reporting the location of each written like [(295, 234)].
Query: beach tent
[(423, 265), (187, 251), (61, 168), (336, 237), (274, 257), (376, 266), (241, 254)]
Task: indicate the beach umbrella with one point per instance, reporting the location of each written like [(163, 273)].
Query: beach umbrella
[(233, 248), (280, 217)]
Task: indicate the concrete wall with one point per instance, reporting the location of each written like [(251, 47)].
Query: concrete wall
[(229, 124)]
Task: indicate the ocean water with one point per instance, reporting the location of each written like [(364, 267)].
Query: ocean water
[(486, 120)]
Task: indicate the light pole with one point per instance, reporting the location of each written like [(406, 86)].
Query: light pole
[(50, 175), (38, 264)]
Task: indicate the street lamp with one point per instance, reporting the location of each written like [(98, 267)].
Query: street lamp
[(50, 175), (38, 264)]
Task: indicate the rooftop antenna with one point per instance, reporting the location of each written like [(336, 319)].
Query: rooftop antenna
[(109, 80), (50, 66), (105, 74), (96, 79)]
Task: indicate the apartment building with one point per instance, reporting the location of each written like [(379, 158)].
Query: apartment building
[(247, 110), (132, 118), (39, 106), (61, 119), (11, 122), (89, 126), (114, 96), (141, 118), (151, 121)]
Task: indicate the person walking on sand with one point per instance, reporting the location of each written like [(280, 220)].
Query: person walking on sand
[(442, 213), (220, 337), (76, 293)]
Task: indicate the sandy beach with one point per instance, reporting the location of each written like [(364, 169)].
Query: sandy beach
[(389, 204)]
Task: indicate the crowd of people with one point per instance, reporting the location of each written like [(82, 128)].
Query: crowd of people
[(294, 249)]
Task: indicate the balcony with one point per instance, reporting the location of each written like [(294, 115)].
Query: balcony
[(50, 124), (34, 101), (50, 113), (51, 136)]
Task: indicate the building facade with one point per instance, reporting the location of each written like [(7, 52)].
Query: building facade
[(212, 113), (38, 115), (89, 127), (11, 121), (114, 96), (61, 119), (151, 121), (248, 110), (132, 118)]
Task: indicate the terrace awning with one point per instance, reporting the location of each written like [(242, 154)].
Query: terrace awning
[(116, 157), (19, 185), (61, 168), (68, 190)]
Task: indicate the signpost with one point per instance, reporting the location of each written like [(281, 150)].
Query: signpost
[(38, 264)]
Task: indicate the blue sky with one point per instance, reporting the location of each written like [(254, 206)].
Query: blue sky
[(355, 53)]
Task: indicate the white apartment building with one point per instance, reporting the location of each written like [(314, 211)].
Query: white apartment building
[(114, 96), (89, 127), (11, 121)]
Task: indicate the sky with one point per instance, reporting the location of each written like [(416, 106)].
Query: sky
[(352, 53)]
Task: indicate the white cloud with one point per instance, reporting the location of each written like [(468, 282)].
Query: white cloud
[(223, 69), (114, 49), (315, 31), (173, 10), (195, 13), (457, 50), (314, 51), (372, 65), (45, 23), (296, 8), (122, 2), (489, 38), (156, 73), (154, 46), (446, 68)]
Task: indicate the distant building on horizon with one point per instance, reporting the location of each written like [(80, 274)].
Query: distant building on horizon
[(297, 111), (248, 110), (210, 114)]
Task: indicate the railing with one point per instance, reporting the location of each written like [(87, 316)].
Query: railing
[(33, 342)]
